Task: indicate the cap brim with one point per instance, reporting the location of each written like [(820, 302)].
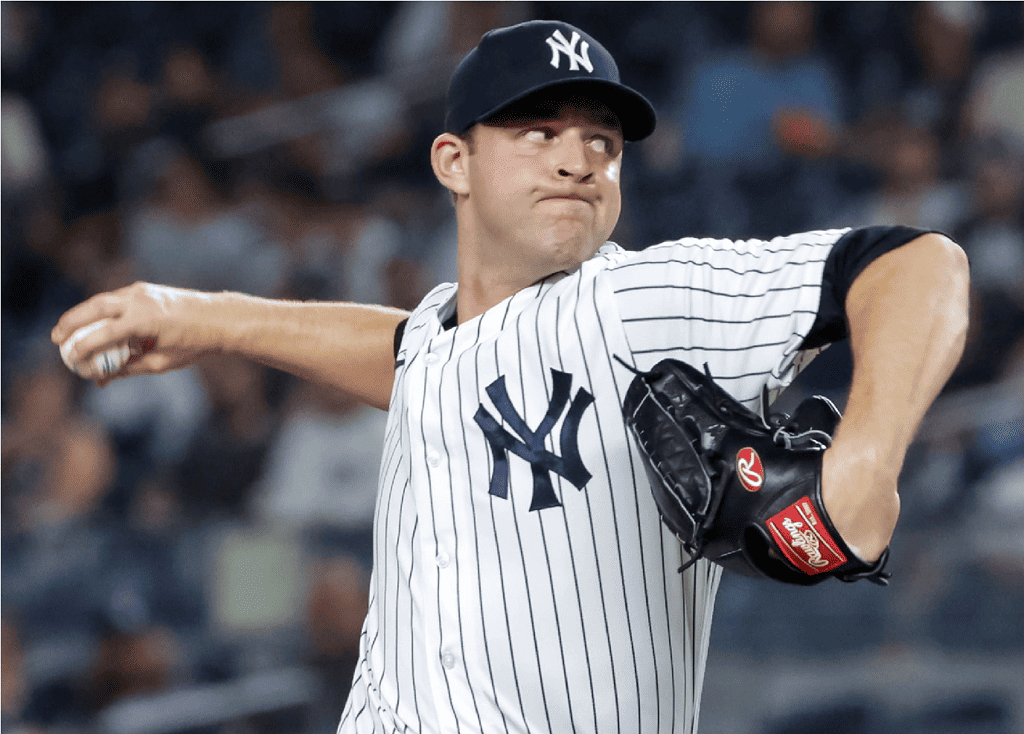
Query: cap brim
[(636, 114)]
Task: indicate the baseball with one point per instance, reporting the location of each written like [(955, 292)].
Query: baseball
[(104, 363)]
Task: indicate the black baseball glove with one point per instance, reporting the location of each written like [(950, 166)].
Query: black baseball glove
[(739, 489)]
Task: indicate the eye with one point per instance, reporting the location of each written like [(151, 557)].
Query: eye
[(603, 144), (538, 135)]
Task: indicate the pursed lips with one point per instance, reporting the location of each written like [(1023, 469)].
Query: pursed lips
[(567, 197)]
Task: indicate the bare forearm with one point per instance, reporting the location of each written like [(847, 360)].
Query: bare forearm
[(908, 319), (348, 346), (345, 345)]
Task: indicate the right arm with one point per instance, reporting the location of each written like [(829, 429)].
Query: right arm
[(345, 345)]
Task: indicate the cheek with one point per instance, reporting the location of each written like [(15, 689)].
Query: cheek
[(613, 197), (614, 209)]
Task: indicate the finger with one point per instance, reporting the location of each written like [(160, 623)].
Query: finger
[(128, 362), (102, 365), (77, 347), (107, 365), (98, 348), (104, 305), (147, 363)]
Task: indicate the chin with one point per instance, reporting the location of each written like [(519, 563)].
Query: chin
[(569, 254), (573, 247)]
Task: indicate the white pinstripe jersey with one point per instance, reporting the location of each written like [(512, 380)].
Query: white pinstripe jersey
[(513, 592)]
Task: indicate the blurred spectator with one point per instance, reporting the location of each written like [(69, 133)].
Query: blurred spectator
[(303, 68), (188, 234), (986, 595), (153, 418), (374, 240), (321, 471), (334, 619), (427, 252), (336, 250), (119, 118), (25, 155), (912, 190), (17, 31), (420, 33), (994, 104), (743, 147), (91, 254), (130, 662), (152, 569), (187, 98), (42, 433), (774, 96), (944, 36), (227, 454), (59, 466), (917, 57), (122, 110), (14, 690), (415, 56), (992, 234), (36, 288)]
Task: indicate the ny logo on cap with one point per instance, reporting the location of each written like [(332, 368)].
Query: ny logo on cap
[(560, 46)]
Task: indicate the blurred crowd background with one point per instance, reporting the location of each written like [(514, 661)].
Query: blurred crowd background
[(190, 552)]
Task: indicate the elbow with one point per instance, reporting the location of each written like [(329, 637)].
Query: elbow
[(955, 261), (958, 270), (953, 278), (946, 255), (950, 266)]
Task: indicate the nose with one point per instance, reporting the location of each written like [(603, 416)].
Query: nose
[(570, 156)]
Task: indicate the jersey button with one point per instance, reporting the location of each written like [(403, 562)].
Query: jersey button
[(442, 560), (431, 360), (448, 661), (434, 459)]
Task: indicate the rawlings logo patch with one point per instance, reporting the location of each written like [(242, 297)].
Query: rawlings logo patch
[(801, 536), (749, 469)]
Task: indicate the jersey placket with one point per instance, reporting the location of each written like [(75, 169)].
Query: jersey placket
[(442, 650)]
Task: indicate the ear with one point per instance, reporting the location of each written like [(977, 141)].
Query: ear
[(448, 157)]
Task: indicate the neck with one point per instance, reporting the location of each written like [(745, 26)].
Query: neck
[(481, 287), (487, 273)]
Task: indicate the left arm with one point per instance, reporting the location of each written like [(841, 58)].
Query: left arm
[(907, 315)]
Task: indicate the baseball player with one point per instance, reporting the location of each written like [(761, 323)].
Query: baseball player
[(523, 581)]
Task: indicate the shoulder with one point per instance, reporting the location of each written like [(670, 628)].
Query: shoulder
[(439, 298), (738, 255)]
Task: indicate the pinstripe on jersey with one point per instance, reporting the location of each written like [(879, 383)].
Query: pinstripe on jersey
[(486, 616)]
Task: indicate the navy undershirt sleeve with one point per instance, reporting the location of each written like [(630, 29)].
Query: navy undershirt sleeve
[(399, 333), (853, 252)]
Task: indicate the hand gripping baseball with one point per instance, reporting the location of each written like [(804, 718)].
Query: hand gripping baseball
[(137, 330), (741, 490)]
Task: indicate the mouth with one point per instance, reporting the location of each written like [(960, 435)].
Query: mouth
[(568, 197)]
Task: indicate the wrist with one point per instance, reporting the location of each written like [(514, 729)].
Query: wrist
[(230, 323), (876, 441), (859, 486)]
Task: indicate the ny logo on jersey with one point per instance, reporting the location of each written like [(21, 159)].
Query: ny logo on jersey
[(560, 46), (530, 443)]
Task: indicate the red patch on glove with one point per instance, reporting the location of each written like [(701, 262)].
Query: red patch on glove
[(749, 469), (802, 537)]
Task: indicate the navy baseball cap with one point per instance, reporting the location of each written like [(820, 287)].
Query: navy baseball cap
[(509, 64)]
